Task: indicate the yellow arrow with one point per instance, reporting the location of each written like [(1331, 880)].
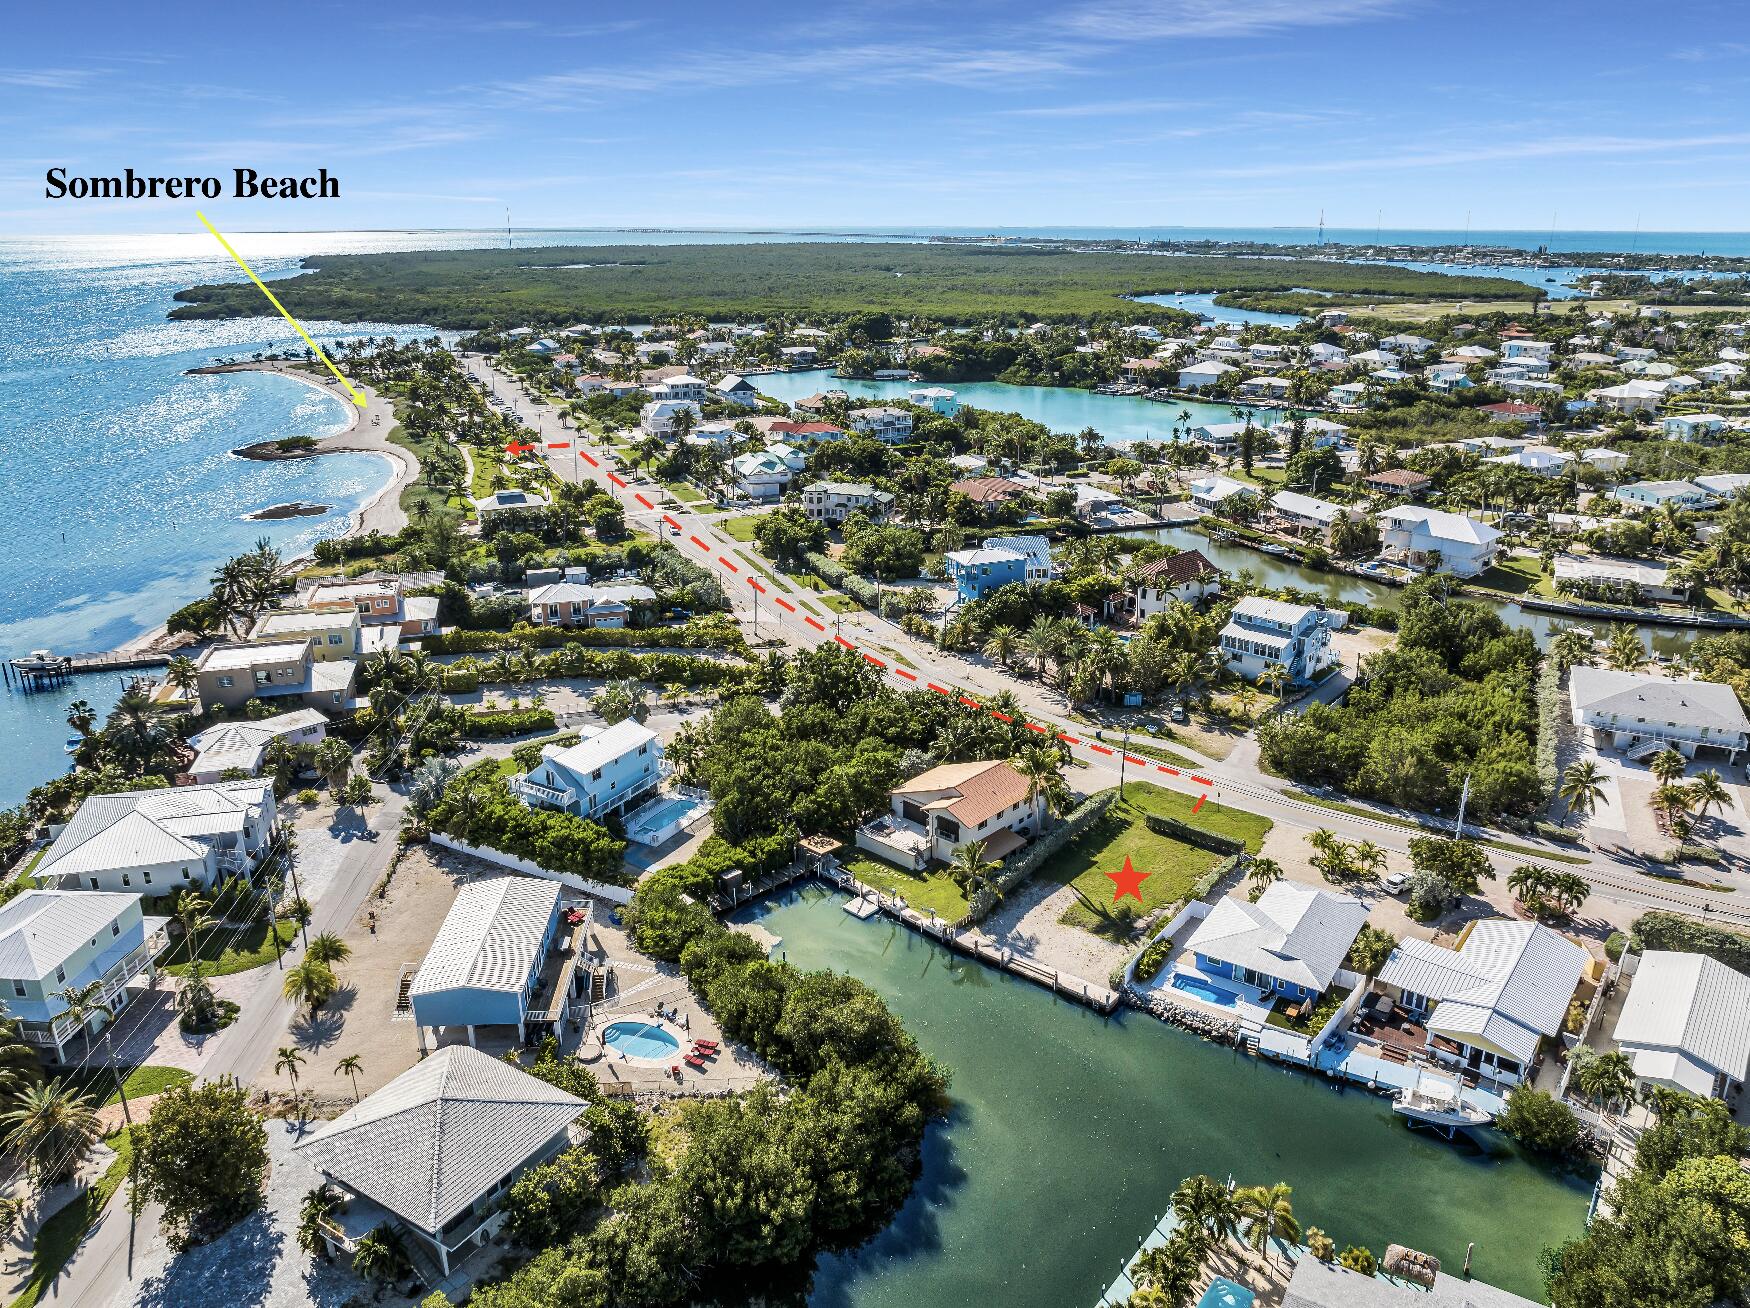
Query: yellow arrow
[(274, 300)]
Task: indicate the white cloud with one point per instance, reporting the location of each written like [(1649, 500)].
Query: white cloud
[(1507, 151), (1139, 20)]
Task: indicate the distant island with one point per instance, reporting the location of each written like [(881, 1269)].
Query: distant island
[(949, 283)]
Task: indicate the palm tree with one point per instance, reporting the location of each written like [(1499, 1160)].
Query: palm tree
[(1582, 786), (136, 731), (1668, 764), (1002, 644), (1623, 649), (1605, 1078), (1571, 645), (84, 1003), (310, 982), (1274, 679), (374, 1257), (54, 1127), (1708, 791), (289, 1060), (334, 761), (81, 716), (970, 869), (1042, 766), (1369, 858), (1262, 874), (1269, 1213), (328, 949), (1203, 1203), (1170, 1270), (194, 997), (181, 674), (351, 1066), (1672, 803), (1041, 643), (312, 1213)]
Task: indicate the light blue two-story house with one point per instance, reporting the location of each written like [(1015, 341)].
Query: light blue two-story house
[(1000, 561), (54, 940), (1264, 632), (486, 964), (606, 772)]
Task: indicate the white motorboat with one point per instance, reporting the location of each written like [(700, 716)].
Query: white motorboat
[(1439, 1105)]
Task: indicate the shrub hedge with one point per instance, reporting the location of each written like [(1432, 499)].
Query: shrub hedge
[(1197, 837), (1684, 935)]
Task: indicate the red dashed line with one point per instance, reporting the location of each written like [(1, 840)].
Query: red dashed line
[(901, 672), (818, 626), (1140, 762), (784, 603), (588, 458), (970, 703), (559, 445), (1067, 739), (726, 563), (1202, 781), (671, 522), (847, 644), (1199, 803), (877, 662), (646, 503), (1034, 726), (1099, 749), (617, 479), (701, 544), (1001, 717), (938, 689), (1162, 767), (761, 589)]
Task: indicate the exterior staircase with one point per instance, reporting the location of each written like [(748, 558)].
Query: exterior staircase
[(1644, 749)]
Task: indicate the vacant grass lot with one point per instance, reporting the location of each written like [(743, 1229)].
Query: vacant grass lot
[(1172, 866), (927, 891), (741, 528), (226, 950)]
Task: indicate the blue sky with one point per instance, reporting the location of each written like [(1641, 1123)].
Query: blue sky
[(876, 113)]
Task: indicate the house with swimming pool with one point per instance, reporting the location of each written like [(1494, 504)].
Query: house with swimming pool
[(952, 805), (1290, 945)]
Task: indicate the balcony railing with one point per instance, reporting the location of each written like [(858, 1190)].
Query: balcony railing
[(533, 790)]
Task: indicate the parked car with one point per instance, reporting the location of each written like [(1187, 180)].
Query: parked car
[(1179, 714), (1396, 882)]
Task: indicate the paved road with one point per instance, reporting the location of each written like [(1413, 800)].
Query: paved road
[(101, 1273), (699, 537)]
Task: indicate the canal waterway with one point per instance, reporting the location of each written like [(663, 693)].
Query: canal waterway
[(1070, 1131)]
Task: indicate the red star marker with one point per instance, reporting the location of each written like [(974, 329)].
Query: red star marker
[(1128, 882)]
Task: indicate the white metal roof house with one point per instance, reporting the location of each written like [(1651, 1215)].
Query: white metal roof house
[(605, 772), (1641, 714), (1437, 540), (1262, 633), (1200, 375), (1724, 484), (1291, 942), (435, 1149), (153, 841), (1686, 1023), (1540, 460), (1208, 493), (1691, 426), (242, 746), (483, 964), (502, 501), (1488, 1003), (51, 940), (1307, 513)]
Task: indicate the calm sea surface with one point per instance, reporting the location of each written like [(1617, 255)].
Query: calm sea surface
[(120, 490), (1070, 1131)]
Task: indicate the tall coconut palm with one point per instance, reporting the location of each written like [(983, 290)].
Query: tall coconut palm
[(193, 915), (329, 949), (1002, 644), (1582, 787), (289, 1059), (1170, 1271), (1261, 874), (1203, 1203), (1042, 766), (85, 1003), (1269, 1214), (1274, 679), (1041, 643), (350, 1067), (136, 731), (54, 1127), (1623, 649), (81, 716), (1708, 791), (182, 675), (970, 869), (1668, 764), (1368, 858), (310, 982)]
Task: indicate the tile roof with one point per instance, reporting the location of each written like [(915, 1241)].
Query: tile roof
[(442, 1134), (988, 490), (151, 826), (977, 792), (1692, 1005), (1294, 932), (1176, 569), (40, 929), (491, 938), (1404, 478)]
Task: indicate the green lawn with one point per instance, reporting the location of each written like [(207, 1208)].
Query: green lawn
[(1313, 1021), (1143, 749), (226, 950), (1172, 866), (924, 891), (149, 1079), (62, 1233), (741, 528), (1516, 576), (683, 492)]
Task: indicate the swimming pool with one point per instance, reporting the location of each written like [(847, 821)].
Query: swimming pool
[(642, 1040), (1209, 993), (1223, 1293)]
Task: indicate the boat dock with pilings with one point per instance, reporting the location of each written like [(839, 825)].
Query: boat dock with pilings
[(41, 669)]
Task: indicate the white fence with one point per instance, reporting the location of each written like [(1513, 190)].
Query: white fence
[(616, 894)]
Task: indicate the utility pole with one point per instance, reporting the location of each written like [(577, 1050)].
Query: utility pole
[(1122, 758), (1463, 800)]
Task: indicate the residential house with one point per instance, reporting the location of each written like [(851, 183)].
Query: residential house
[(1642, 713), (1350, 394), (1326, 356), (737, 390), (1437, 541), (1691, 426), (1725, 485), (1631, 581), (1145, 372), (760, 476), (1201, 376), (606, 772), (1263, 633), (1513, 411), (799, 356), (1686, 1024), (381, 599), (1330, 1285), (1406, 344), (834, 501), (716, 432), (1528, 349), (988, 493), (57, 940), (1309, 515), (1720, 374), (229, 675), (1487, 1004), (485, 962), (977, 572), (657, 418), (432, 1154), (1539, 460), (1186, 576), (505, 501), (791, 457), (155, 841), (1658, 494), (885, 422), (683, 387), (937, 399), (1291, 943), (333, 633), (1404, 483), (1605, 460), (1210, 493), (576, 604), (242, 746), (1222, 437), (952, 805), (803, 431), (1265, 388), (1315, 433), (1630, 397), (1096, 502)]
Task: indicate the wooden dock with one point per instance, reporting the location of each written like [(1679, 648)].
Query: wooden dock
[(41, 671)]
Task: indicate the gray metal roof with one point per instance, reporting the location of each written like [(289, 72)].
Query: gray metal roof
[(151, 826), (1294, 932), (1325, 1285), (491, 938), (1638, 695), (1689, 1003), (40, 929), (443, 1133)]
